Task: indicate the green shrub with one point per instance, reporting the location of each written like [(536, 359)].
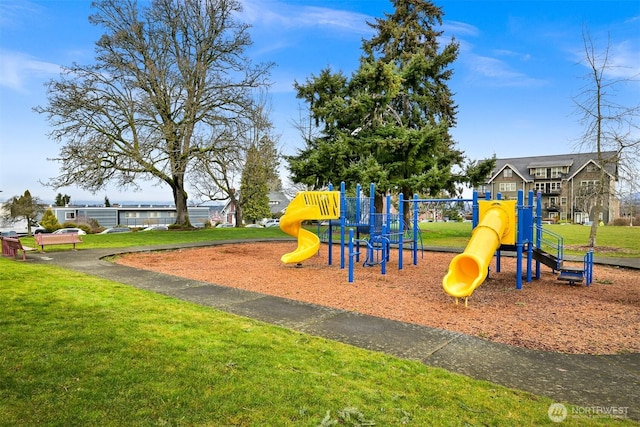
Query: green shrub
[(49, 220)]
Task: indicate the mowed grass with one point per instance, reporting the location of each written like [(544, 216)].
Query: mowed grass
[(625, 239), (155, 238), (79, 350)]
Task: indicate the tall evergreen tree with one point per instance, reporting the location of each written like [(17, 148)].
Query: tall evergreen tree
[(389, 123), (62, 200), (260, 175)]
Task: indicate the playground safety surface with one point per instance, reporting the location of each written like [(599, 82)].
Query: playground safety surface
[(581, 379)]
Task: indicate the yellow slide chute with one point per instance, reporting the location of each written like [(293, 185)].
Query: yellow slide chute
[(308, 205), (469, 269)]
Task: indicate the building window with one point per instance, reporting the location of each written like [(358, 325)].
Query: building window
[(507, 186), (556, 172), (540, 172), (69, 215), (563, 201), (132, 214), (553, 201), (508, 173), (555, 186), (592, 183)]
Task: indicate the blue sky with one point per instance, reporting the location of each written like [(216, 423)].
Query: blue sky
[(514, 80)]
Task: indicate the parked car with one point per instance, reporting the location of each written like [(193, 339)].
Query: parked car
[(224, 226), (116, 230), (253, 226), (272, 223), (156, 228), (78, 231)]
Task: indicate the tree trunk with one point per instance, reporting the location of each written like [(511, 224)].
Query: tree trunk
[(407, 211), (180, 199), (594, 216), (236, 203)]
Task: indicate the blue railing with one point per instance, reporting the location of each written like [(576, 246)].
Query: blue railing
[(550, 242)]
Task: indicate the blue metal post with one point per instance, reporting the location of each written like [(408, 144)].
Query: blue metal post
[(351, 256), (358, 218), (475, 211), (400, 230), (520, 214), (330, 236), (343, 221), (415, 229), (530, 227), (372, 210), (498, 257), (538, 221)]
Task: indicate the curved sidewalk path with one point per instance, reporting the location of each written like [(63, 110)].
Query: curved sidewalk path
[(610, 381)]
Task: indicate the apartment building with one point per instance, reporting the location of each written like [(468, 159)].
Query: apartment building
[(567, 182)]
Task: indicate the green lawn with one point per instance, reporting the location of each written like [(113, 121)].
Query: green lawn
[(625, 239), (78, 350), (153, 238), (448, 234)]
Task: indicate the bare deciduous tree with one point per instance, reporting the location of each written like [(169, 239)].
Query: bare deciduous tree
[(219, 173), (610, 129), (170, 85)]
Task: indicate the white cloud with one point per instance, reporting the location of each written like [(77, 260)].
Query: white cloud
[(624, 59), (12, 12), (290, 17), (16, 70), (499, 73), (459, 29)]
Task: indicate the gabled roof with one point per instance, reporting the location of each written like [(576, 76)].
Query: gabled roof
[(576, 162), (278, 202), (505, 166)]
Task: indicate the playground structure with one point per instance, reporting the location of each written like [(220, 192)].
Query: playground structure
[(308, 205), (498, 225), (510, 225), (355, 217)]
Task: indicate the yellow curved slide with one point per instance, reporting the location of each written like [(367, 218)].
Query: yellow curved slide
[(469, 269), (308, 205)]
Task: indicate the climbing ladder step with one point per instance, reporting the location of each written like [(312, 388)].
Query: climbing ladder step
[(571, 275)]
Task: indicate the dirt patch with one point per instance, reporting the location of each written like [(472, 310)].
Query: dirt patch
[(547, 314)]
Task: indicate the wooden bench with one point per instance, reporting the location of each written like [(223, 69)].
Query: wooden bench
[(44, 239), (11, 246)]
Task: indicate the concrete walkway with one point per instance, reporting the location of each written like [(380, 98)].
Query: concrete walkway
[(584, 380)]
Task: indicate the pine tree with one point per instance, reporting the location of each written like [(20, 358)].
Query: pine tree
[(49, 220), (259, 176), (389, 122)]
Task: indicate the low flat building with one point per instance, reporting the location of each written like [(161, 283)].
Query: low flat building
[(137, 216)]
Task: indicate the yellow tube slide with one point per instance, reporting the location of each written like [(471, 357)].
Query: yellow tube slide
[(469, 269), (308, 205)]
